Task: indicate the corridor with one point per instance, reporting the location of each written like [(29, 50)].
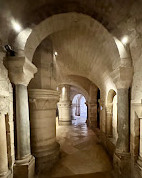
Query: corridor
[(81, 153)]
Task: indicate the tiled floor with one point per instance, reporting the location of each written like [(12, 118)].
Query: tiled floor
[(81, 153)]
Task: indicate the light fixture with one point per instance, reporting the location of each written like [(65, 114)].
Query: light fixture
[(56, 53), (17, 27), (124, 40)]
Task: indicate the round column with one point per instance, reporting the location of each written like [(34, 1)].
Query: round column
[(64, 106), (123, 121), (109, 115), (43, 104), (22, 123), (3, 147)]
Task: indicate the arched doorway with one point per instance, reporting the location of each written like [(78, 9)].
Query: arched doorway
[(79, 108)]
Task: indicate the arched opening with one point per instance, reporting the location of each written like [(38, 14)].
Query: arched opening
[(79, 108), (111, 110)]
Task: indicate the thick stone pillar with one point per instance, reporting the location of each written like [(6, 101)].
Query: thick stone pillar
[(64, 106), (21, 71), (123, 140), (122, 160), (43, 104)]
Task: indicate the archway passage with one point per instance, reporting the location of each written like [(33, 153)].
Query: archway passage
[(79, 109)]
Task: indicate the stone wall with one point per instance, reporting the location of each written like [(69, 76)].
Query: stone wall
[(6, 107)]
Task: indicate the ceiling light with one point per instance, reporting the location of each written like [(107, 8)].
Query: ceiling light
[(17, 27), (56, 53), (124, 40)]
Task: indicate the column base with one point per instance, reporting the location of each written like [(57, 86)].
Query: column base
[(62, 123), (46, 159), (122, 165), (93, 124), (138, 168), (24, 170)]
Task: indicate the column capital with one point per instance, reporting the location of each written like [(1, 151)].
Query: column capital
[(20, 69), (43, 99), (122, 77)]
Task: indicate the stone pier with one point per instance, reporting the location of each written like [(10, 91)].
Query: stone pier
[(43, 104)]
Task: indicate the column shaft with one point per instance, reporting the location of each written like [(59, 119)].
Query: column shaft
[(140, 148), (92, 111), (3, 147), (123, 121), (22, 122), (64, 106), (109, 120)]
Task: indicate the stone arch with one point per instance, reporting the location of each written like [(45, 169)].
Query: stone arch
[(54, 24), (66, 21)]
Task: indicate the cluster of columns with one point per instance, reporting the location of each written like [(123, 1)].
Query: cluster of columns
[(21, 71), (64, 105)]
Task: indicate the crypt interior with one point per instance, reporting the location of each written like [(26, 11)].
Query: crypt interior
[(71, 88)]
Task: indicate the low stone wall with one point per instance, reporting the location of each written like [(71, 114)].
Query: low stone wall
[(106, 142)]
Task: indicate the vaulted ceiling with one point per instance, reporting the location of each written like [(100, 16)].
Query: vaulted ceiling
[(116, 15)]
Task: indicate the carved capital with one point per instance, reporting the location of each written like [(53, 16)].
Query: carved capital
[(20, 70), (122, 77), (41, 99)]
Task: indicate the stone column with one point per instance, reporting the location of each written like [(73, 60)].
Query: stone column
[(139, 161), (64, 106), (123, 121), (87, 121), (77, 112), (92, 106), (109, 109), (21, 71), (43, 104), (92, 111), (122, 160), (3, 148)]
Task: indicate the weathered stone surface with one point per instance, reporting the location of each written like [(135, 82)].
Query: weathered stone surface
[(43, 105)]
